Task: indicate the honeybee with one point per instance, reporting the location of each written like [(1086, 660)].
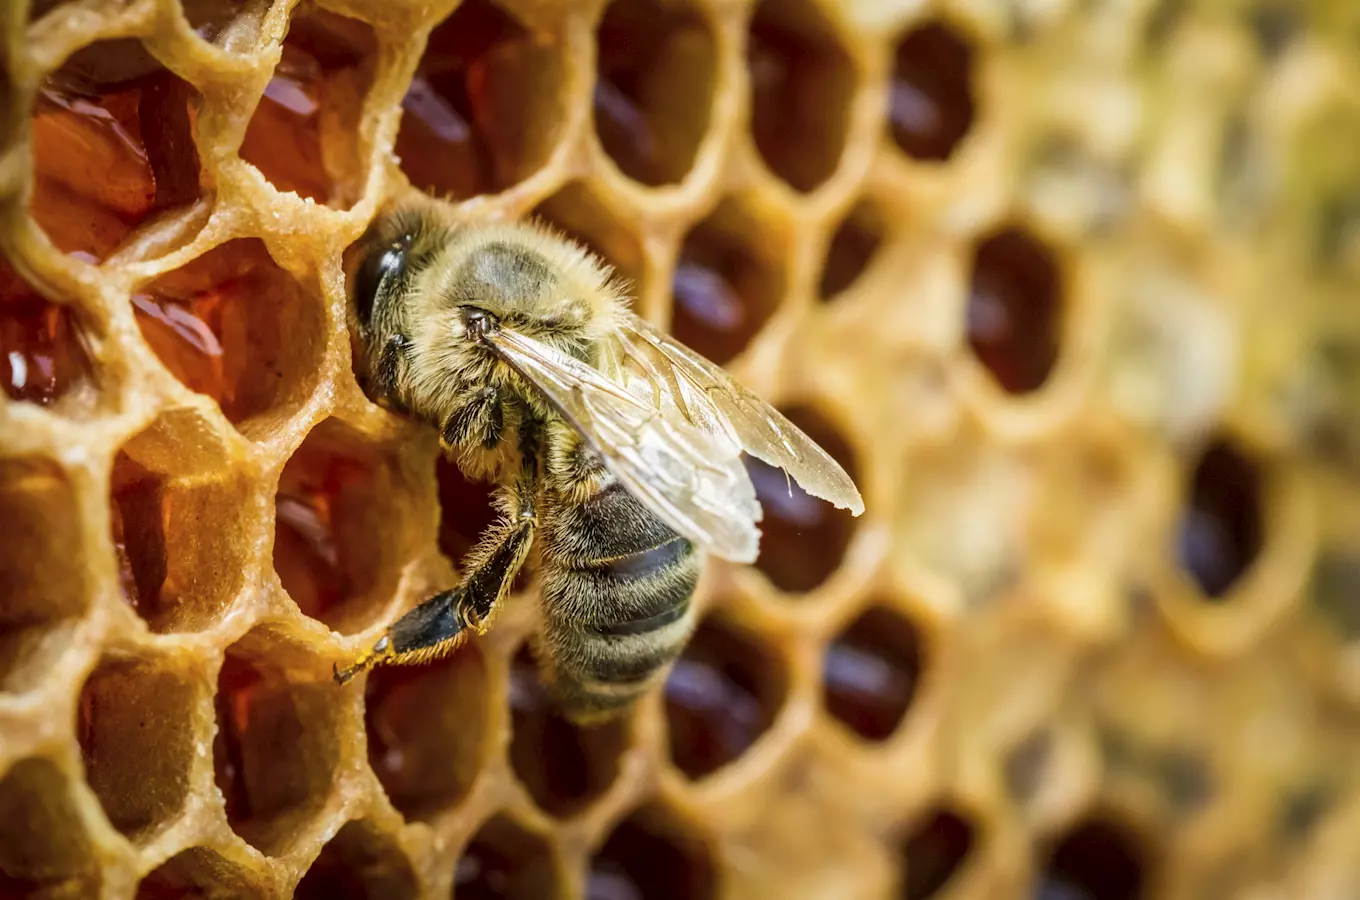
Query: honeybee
[(616, 450)]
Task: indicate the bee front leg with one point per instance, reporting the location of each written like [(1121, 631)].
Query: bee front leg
[(479, 420), (439, 625)]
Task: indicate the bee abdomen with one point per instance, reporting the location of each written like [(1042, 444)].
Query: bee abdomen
[(614, 625)]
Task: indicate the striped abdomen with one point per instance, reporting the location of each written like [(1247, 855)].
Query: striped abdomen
[(616, 586)]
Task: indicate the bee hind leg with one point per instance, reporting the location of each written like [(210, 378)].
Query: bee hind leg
[(440, 625)]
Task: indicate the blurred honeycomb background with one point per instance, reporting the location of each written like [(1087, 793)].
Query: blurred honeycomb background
[(1068, 285)]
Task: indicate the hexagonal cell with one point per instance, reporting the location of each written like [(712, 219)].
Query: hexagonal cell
[(277, 746), (504, 861), (803, 539), (359, 862), (933, 852), (113, 145), (338, 531), (802, 82), (43, 354), (44, 850), (235, 326), (42, 570), (303, 136), (465, 510), (871, 671), (481, 113), (1096, 859), (181, 551), (1221, 529), (1015, 307), (575, 211), (197, 872), (728, 281), (655, 65), (563, 766), (853, 246), (653, 854), (427, 730), (136, 731), (931, 103), (725, 691)]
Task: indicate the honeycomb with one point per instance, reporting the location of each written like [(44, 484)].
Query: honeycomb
[(1068, 285)]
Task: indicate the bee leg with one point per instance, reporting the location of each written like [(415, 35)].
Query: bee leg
[(479, 420), (439, 625), (388, 364)]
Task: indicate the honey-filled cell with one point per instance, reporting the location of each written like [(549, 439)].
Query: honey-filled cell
[(481, 113), (803, 538), (1097, 859), (44, 354), (1015, 309), (653, 853), (304, 134), (113, 145), (852, 249), (565, 767), (723, 693), (359, 863), (427, 730), (506, 861), (276, 748), (236, 327), (802, 83), (654, 86), (727, 283), (45, 850), (1221, 528), (337, 528), (181, 561), (934, 851), (42, 570), (931, 98), (870, 673), (465, 510), (135, 727)]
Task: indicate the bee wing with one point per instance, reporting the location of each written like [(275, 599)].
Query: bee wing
[(693, 480), (711, 401)]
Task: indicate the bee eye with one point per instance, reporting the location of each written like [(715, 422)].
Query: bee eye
[(377, 265)]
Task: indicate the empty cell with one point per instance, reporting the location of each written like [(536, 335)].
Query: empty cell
[(1026, 766), (1095, 860), (723, 693), (135, 726), (563, 766), (482, 112), (303, 136), (359, 862), (1015, 307), (180, 540), (934, 851), (802, 83), (338, 528), (504, 861), (871, 671), (198, 872), (113, 145), (852, 249), (728, 281), (803, 539), (277, 745), (1221, 531), (653, 854), (1334, 591), (655, 64), (235, 326), (931, 98), (41, 570), (43, 353), (465, 510), (576, 212), (427, 737), (44, 850)]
